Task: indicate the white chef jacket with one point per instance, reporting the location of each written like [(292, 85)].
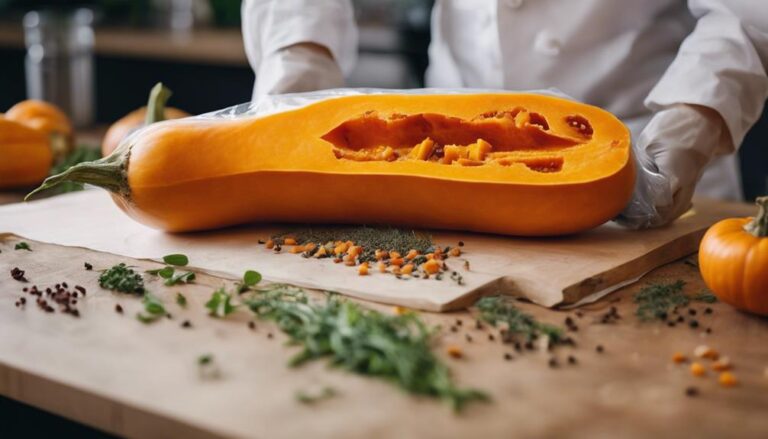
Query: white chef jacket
[(629, 57)]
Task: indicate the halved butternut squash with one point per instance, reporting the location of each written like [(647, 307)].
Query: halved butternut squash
[(518, 164)]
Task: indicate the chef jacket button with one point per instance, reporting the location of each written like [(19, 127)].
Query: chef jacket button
[(547, 44), (514, 4)]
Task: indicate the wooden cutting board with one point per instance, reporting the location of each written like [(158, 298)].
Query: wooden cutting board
[(548, 271)]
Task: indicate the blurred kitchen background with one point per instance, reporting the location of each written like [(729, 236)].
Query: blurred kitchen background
[(109, 53)]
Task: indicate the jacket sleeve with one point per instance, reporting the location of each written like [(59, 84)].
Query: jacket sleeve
[(272, 25), (721, 65)]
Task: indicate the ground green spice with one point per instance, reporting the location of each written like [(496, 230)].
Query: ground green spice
[(396, 348), (370, 238)]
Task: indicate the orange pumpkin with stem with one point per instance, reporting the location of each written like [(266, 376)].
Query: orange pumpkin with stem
[(141, 117), (48, 119), (25, 157), (733, 259)]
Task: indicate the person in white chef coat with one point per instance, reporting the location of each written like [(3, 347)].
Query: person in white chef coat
[(687, 77)]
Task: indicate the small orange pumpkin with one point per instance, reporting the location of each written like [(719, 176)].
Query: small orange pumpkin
[(139, 118), (25, 157), (733, 259), (48, 119)]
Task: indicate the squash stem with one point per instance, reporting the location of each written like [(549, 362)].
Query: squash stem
[(759, 224), (108, 173), (158, 97)]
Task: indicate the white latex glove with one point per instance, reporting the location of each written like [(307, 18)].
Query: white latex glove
[(297, 68), (671, 153)]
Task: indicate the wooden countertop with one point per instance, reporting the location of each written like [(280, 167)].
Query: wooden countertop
[(80, 369)]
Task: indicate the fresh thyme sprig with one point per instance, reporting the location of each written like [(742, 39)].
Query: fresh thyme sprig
[(122, 278), (656, 301), (396, 348), (497, 310)]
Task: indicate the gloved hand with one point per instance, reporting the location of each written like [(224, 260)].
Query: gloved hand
[(297, 68), (671, 154)]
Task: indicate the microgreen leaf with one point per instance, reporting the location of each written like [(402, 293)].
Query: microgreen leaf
[(22, 246), (251, 278), (181, 300), (186, 277), (165, 272), (220, 303), (177, 259), (153, 309)]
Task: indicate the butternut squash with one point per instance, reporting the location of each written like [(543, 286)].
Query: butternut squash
[(518, 164), (49, 119), (136, 119), (25, 155)]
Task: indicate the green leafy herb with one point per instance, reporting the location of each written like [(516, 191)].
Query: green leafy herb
[(165, 272), (22, 246), (153, 309), (178, 278), (205, 359), (220, 303), (312, 398), (123, 279), (370, 238), (181, 300), (396, 348), (177, 260), (497, 310), (250, 279), (656, 301), (82, 153)]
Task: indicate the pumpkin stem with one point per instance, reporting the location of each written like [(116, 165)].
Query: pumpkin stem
[(158, 97), (759, 224), (107, 172)]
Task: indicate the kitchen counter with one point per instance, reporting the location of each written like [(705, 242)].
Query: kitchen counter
[(109, 371)]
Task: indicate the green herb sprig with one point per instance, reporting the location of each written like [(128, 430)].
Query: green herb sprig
[(496, 310), (169, 273), (656, 301), (22, 246), (153, 309), (220, 304), (123, 279), (250, 279), (363, 341), (181, 300)]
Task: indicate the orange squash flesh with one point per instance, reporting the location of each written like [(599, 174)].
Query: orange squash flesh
[(522, 166)]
